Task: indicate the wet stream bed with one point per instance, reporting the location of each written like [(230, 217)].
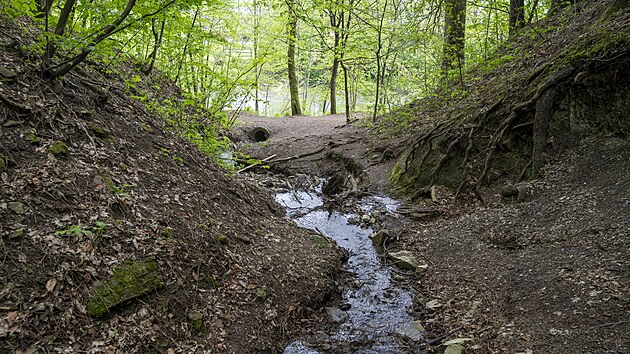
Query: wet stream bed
[(374, 312)]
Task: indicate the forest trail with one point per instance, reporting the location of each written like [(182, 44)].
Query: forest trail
[(323, 146)]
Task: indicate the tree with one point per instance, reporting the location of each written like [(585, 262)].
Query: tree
[(454, 38), (517, 15), (296, 110)]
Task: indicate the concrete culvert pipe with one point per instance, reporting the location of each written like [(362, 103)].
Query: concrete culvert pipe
[(259, 134)]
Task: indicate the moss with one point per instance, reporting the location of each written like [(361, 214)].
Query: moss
[(59, 149), (97, 130), (222, 239), (166, 232), (212, 282), (146, 128), (197, 321), (320, 241), (261, 293), (32, 138), (129, 281)]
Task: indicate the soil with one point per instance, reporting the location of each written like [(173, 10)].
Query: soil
[(546, 274)]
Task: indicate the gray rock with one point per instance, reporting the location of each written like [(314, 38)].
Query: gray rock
[(509, 190), (454, 349), (17, 207), (12, 123), (7, 73), (406, 261), (378, 238), (336, 315), (413, 330)]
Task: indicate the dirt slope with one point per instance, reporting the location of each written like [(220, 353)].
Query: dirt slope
[(236, 275)]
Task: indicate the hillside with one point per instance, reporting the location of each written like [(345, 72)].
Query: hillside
[(549, 87), (96, 193)]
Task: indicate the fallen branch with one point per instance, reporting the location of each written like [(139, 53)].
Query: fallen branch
[(256, 164)]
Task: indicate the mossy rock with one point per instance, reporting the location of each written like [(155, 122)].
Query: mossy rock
[(129, 281), (98, 130), (59, 149), (32, 138), (7, 74)]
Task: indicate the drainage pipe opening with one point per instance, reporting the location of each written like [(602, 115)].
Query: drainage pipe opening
[(259, 134)]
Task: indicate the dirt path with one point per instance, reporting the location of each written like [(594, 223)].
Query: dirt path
[(316, 137)]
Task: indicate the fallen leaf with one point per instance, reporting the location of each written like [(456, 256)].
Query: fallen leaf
[(50, 285), (11, 317)]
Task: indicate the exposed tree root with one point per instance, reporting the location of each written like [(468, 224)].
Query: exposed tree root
[(9, 102), (506, 124)]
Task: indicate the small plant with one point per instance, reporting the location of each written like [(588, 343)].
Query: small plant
[(76, 230)]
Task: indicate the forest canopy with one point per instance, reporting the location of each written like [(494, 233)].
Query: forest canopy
[(283, 57)]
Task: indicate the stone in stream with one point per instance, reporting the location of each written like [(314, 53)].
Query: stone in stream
[(336, 315), (413, 330), (379, 238), (406, 261)]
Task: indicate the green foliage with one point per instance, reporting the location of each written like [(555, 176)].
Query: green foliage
[(76, 230)]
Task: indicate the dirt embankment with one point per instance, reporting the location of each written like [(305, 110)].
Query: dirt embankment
[(91, 182)]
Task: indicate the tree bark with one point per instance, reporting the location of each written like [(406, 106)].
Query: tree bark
[(333, 85), (517, 15), (454, 38), (296, 110), (55, 72), (157, 36), (59, 30)]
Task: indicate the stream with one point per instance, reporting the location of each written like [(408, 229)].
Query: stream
[(375, 310)]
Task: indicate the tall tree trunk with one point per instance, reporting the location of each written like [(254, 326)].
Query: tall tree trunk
[(333, 85), (59, 30), (292, 39), (43, 8), (379, 78), (454, 38), (181, 62), (517, 15), (157, 42), (346, 91)]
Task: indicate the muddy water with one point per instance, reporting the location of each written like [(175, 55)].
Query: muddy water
[(378, 309)]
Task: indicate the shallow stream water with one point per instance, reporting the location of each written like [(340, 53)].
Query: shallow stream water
[(378, 309)]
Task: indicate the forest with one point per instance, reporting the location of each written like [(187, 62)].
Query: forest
[(275, 58), (323, 176)]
